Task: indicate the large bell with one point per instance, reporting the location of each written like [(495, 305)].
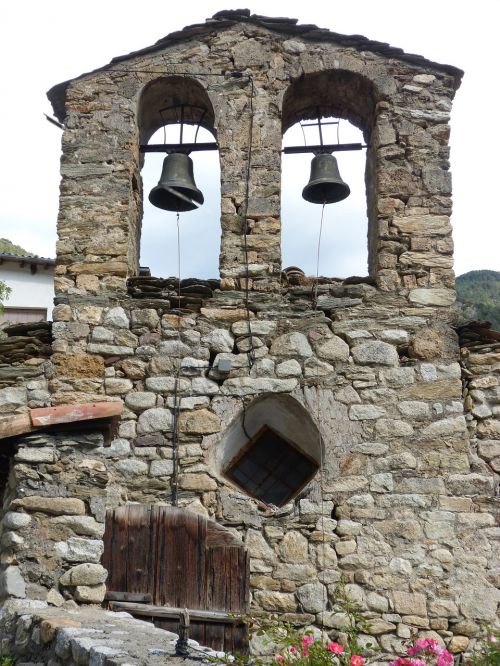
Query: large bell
[(176, 189), (325, 184)]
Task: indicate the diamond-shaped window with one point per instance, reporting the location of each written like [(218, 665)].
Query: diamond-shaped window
[(271, 468)]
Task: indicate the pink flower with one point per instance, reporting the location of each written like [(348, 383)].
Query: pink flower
[(279, 658), (307, 641), (336, 648), (444, 659), (356, 660), (293, 649), (401, 661)]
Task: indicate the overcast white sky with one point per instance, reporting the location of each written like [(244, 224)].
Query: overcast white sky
[(44, 43)]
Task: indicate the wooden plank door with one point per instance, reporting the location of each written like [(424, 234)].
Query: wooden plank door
[(174, 558)]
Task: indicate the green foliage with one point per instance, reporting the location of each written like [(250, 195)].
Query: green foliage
[(4, 295), (6, 661), (481, 290), (7, 247), (487, 651), (293, 646)]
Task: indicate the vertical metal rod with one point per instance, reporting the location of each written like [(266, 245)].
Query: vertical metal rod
[(320, 130), (182, 122)]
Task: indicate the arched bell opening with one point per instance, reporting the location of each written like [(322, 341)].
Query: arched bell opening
[(333, 108), (271, 450), (176, 112)]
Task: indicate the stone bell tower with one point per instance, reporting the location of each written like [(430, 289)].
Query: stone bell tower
[(321, 422)]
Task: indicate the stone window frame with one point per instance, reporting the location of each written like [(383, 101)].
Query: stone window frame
[(288, 446)]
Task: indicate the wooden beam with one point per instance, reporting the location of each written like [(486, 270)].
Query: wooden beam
[(19, 424), (172, 612), (47, 416), (15, 424)]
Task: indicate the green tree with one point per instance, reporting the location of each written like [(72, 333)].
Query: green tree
[(4, 294)]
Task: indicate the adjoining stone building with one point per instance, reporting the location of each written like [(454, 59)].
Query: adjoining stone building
[(353, 389)]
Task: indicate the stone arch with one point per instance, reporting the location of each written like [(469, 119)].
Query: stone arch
[(284, 417), (159, 107), (341, 94), (159, 96), (337, 93)]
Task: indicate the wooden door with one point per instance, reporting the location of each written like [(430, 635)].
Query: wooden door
[(170, 558)]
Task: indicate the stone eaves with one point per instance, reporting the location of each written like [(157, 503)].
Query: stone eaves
[(227, 18)]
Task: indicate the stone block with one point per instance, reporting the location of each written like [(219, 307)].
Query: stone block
[(116, 317), (313, 597), (76, 549), (199, 422), (50, 627), (257, 327), (375, 352), (333, 349), (278, 602), (12, 583), (77, 365), (117, 385), (218, 340), (248, 386), (229, 315), (393, 428), (90, 594), (138, 401), (13, 520), (258, 547), (289, 368), (433, 296), (161, 468), (35, 455), (132, 467), (365, 412), (81, 525), (52, 505), (84, 574), (424, 225), (470, 484), (154, 420), (292, 344), (407, 603), (197, 481), (294, 547), (11, 398), (54, 598)]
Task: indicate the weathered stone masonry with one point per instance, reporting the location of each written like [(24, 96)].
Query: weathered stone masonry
[(368, 377)]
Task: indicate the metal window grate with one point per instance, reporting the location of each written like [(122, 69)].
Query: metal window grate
[(270, 468)]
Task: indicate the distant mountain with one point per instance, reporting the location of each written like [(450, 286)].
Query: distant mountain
[(478, 294), (7, 247)]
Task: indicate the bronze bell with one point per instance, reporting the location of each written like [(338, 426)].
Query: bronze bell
[(176, 189), (325, 184)]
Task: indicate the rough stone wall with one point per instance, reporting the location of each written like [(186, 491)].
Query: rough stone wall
[(403, 506), (404, 513)]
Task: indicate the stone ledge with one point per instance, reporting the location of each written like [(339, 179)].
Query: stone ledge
[(31, 630)]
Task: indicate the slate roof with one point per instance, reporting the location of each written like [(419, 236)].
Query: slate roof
[(227, 18), (29, 259)]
